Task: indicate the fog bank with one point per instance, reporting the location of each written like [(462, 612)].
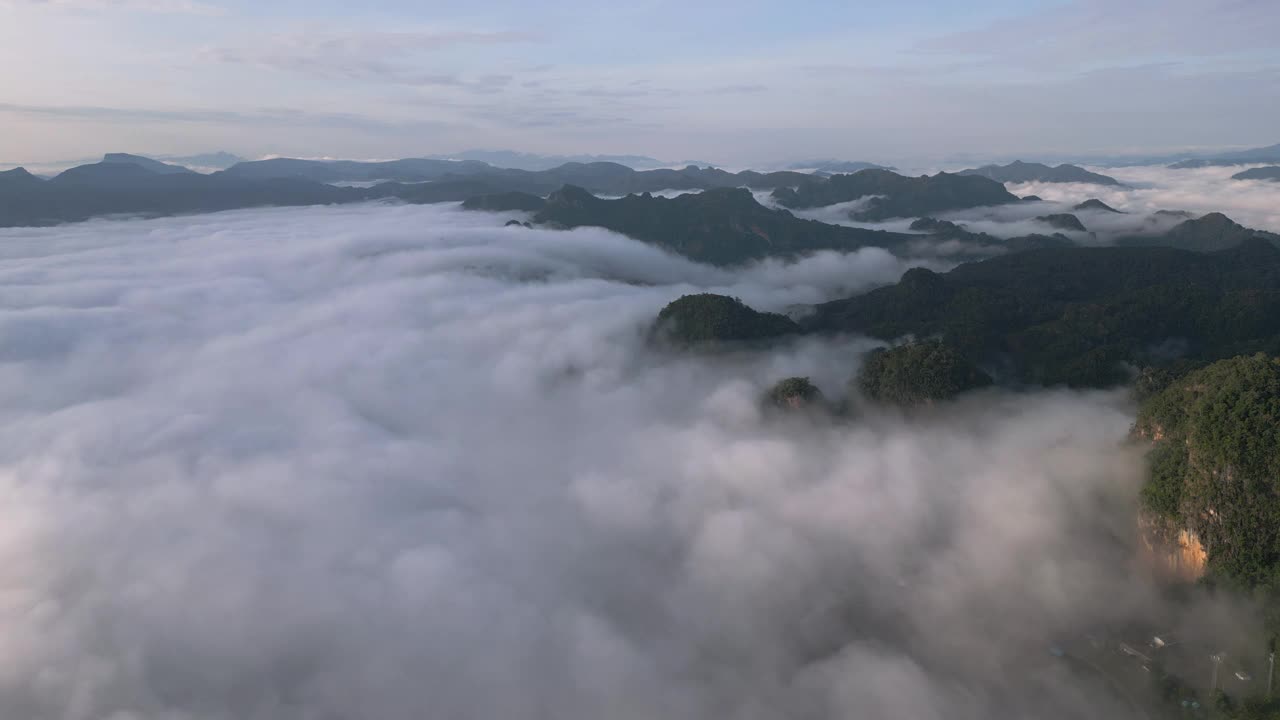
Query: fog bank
[(393, 462)]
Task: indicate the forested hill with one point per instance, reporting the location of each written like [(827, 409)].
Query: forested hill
[(721, 227), (1215, 465), (894, 196), (1080, 316)]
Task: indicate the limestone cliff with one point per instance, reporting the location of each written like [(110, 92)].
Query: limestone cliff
[(1170, 553), (1211, 503)]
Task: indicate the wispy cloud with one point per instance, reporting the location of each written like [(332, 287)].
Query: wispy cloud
[(189, 7), (366, 55), (264, 117)]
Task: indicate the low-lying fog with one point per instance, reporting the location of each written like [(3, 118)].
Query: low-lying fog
[(1147, 189), (401, 462)]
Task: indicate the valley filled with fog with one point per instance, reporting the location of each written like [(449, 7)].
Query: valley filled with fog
[(1146, 191), (639, 361), (386, 460)]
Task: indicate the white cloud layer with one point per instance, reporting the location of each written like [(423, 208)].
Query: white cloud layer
[(1252, 203), (1146, 190), (396, 462)]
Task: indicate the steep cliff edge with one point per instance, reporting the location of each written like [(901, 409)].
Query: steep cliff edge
[(1172, 553), (1211, 504)]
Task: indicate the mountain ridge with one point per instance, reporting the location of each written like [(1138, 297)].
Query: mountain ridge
[(1022, 172)]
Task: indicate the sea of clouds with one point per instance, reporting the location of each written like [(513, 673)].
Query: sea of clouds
[(397, 462), (1145, 190)]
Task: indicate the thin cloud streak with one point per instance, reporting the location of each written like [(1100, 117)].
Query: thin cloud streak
[(262, 118), (366, 55), (164, 7)]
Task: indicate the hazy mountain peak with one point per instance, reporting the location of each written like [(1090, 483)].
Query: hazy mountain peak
[(1019, 171), (147, 163), (1268, 154), (1095, 204), (19, 178)]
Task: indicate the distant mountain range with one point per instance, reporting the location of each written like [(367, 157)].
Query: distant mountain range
[(531, 161), (118, 186), (131, 184), (598, 177), (727, 226), (1269, 154), (1135, 159), (1021, 172), (209, 161), (894, 196), (833, 167), (146, 163), (722, 225)]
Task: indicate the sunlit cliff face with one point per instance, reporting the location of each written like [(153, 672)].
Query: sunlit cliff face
[(1171, 554)]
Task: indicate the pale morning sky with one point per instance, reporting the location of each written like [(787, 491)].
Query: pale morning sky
[(746, 81)]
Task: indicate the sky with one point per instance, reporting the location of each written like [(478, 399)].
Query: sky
[(743, 82)]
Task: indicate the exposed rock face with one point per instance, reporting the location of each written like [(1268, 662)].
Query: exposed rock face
[(1210, 502), (1172, 554)]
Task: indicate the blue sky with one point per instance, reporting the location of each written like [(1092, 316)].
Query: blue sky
[(737, 82)]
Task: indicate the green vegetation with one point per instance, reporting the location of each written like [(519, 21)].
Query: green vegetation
[(138, 185), (1215, 467), (708, 319), (1162, 493), (721, 227), (793, 393), (1081, 317), (918, 373)]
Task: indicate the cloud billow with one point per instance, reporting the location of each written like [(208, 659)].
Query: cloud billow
[(386, 461)]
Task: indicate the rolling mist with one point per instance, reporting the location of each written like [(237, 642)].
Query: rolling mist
[(394, 461), (1147, 190)]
